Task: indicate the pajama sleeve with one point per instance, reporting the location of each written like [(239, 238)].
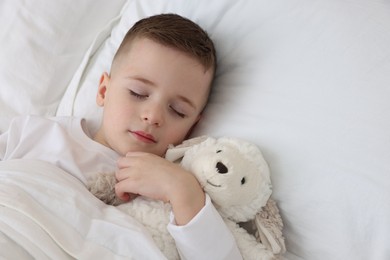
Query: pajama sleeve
[(206, 236)]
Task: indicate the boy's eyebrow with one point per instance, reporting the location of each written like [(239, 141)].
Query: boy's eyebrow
[(186, 100), (146, 81), (151, 83)]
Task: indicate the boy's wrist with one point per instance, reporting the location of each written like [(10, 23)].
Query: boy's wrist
[(187, 202)]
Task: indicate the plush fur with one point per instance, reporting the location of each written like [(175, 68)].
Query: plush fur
[(235, 175)]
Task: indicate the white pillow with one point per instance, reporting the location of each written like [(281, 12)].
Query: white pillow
[(42, 43), (308, 81)]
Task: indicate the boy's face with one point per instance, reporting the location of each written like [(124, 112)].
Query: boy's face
[(152, 98)]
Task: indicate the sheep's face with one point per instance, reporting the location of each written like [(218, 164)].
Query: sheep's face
[(233, 173)]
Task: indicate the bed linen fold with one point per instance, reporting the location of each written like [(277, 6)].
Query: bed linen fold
[(46, 213)]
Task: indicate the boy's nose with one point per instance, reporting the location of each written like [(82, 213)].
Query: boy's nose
[(153, 115)]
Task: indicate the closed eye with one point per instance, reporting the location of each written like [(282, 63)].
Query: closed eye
[(136, 95), (182, 115)]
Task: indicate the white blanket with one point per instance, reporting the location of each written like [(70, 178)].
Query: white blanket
[(45, 213)]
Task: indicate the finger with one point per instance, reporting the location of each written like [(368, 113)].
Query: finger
[(123, 173), (123, 194), (124, 162), (131, 159), (126, 197), (132, 154), (118, 175)]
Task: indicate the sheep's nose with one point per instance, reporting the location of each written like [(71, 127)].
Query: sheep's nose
[(221, 168)]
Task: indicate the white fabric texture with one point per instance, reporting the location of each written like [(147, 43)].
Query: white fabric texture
[(51, 215), (60, 141), (308, 81), (41, 44), (201, 226)]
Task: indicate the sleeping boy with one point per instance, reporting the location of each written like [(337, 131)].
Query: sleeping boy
[(157, 88)]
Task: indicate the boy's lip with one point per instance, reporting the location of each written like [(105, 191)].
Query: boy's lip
[(143, 136)]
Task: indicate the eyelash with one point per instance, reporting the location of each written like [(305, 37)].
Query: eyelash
[(138, 96), (177, 112)]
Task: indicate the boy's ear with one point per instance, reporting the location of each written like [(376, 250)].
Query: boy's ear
[(101, 94)]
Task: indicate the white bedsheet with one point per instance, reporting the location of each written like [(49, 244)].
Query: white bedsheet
[(45, 213)]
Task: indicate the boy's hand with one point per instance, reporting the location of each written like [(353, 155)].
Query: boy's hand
[(151, 176)]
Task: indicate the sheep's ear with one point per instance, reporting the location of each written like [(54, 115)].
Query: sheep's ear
[(269, 226), (176, 152)]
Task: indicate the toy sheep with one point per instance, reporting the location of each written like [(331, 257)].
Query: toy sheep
[(235, 175)]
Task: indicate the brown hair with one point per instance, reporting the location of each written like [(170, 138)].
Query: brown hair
[(174, 31)]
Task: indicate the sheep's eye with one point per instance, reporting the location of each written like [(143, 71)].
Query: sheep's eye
[(243, 180), (218, 151)]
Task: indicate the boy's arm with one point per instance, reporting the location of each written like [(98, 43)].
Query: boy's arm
[(198, 229), (206, 236), (156, 178)]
